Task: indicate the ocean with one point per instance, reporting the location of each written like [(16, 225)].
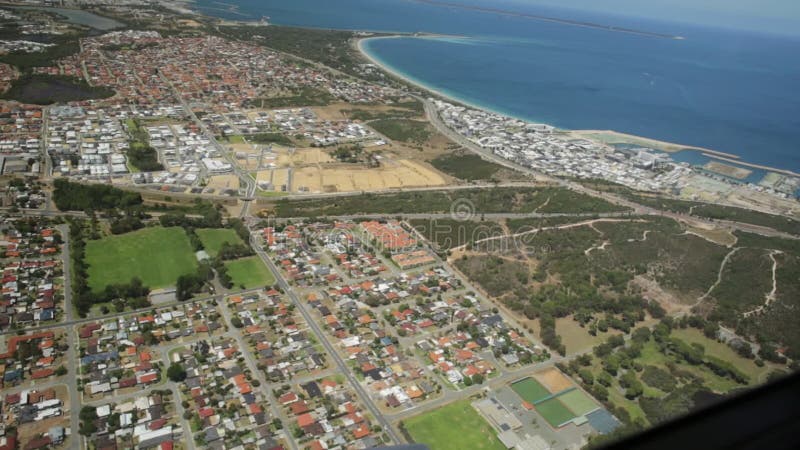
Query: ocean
[(731, 91)]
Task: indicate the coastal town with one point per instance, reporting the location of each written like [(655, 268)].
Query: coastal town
[(646, 168), (209, 241)]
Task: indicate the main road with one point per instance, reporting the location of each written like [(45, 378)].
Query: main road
[(379, 417), (244, 177), (72, 341)]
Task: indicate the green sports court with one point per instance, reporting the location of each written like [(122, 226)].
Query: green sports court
[(530, 390)]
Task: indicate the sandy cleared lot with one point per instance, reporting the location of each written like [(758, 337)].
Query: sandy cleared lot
[(224, 182), (396, 174), (337, 111), (331, 112), (247, 148), (302, 156), (248, 156), (553, 380), (277, 177), (728, 170), (716, 235)]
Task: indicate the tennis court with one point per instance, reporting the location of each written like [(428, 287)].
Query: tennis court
[(530, 390), (554, 412), (577, 402)]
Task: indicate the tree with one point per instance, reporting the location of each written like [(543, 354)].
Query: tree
[(176, 373), (611, 365), (87, 416), (605, 379), (477, 378), (659, 378), (641, 335), (80, 197), (236, 322), (600, 392)]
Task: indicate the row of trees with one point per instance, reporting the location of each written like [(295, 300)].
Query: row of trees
[(133, 294)]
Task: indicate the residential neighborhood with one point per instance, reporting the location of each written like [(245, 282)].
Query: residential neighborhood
[(219, 232)]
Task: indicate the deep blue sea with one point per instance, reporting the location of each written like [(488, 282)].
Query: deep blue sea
[(732, 91)]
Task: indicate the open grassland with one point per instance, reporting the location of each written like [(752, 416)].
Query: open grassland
[(653, 356), (157, 256), (456, 426), (404, 130), (249, 272), (723, 351), (466, 166), (213, 238), (577, 338), (305, 96), (365, 114)]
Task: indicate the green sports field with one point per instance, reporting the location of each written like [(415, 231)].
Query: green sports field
[(250, 271), (213, 238), (578, 402), (530, 390), (456, 426), (554, 412), (158, 256)]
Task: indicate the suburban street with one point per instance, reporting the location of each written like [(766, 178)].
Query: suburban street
[(342, 367)]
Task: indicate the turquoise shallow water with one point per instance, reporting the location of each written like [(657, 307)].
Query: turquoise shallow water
[(737, 92)]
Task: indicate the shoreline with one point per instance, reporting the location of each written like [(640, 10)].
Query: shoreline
[(359, 45), (668, 147)]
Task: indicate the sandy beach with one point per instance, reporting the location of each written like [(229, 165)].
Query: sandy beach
[(400, 76)]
